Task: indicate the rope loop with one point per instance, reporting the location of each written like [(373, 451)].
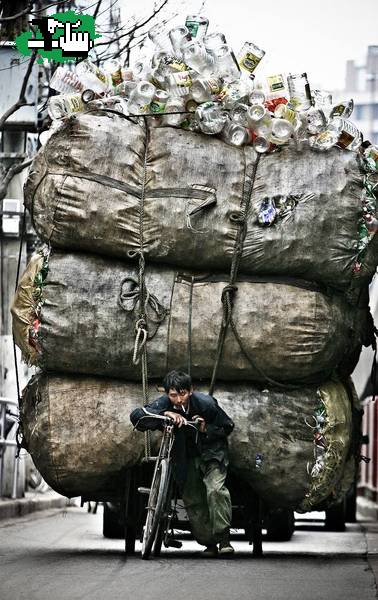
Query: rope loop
[(139, 344)]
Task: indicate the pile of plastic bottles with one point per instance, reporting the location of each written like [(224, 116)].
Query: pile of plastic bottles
[(195, 81)]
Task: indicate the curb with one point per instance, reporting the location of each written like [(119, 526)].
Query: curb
[(32, 502)]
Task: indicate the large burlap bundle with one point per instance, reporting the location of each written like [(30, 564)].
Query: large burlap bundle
[(85, 191), (80, 437), (289, 330)]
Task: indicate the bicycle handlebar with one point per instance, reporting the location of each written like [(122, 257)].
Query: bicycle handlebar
[(195, 424)]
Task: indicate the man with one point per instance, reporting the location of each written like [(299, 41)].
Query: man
[(200, 466)]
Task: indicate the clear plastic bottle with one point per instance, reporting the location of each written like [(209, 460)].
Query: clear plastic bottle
[(179, 36), (226, 65), (92, 77), (213, 41), (276, 91), (316, 120), (299, 91), (64, 105), (159, 101), (197, 25), (343, 109), (239, 114), (196, 56), (140, 98), (283, 111), (281, 131), (350, 137), (255, 114), (204, 90), (125, 88), (322, 99), (249, 57), (256, 96), (65, 81), (237, 91), (211, 118), (159, 36), (174, 106), (261, 144), (235, 135), (179, 83), (113, 68)]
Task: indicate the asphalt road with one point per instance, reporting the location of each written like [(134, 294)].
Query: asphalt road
[(63, 556)]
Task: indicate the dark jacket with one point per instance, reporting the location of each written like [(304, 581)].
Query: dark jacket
[(212, 444)]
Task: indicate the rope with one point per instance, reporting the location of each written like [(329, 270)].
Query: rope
[(141, 325), (230, 290), (190, 326)]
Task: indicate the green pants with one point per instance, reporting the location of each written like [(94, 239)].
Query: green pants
[(207, 501)]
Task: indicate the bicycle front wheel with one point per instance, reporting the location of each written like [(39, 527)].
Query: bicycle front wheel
[(155, 506)]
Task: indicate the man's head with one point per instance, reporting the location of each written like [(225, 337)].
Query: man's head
[(178, 386)]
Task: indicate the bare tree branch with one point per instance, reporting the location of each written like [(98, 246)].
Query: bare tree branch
[(21, 99), (137, 26), (18, 15), (97, 8), (10, 173)]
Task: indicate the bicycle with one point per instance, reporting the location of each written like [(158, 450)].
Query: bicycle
[(160, 509)]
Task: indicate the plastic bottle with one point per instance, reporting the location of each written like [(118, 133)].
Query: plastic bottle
[(281, 131), (159, 36), (237, 91), (93, 77), (179, 36), (283, 111), (204, 90), (197, 26), (235, 135), (350, 138), (249, 57), (343, 109), (277, 92), (299, 91), (64, 105), (316, 120), (65, 81), (114, 69), (140, 98), (179, 83), (226, 65), (239, 114), (261, 144), (159, 101), (174, 105), (210, 118), (196, 56), (213, 41), (256, 114)]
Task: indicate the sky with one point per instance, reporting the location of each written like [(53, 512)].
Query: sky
[(316, 37)]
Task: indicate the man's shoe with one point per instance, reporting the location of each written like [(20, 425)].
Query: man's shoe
[(210, 551), (225, 547)]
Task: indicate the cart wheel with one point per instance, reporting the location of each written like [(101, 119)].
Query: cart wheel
[(155, 506)]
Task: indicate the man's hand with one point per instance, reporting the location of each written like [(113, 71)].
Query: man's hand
[(202, 423), (178, 420)]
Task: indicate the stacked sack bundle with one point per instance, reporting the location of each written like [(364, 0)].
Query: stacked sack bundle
[(250, 270)]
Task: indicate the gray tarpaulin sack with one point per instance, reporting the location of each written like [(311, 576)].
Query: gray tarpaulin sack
[(100, 183), (82, 317), (79, 434)]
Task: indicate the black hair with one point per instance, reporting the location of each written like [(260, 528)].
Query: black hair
[(178, 380)]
